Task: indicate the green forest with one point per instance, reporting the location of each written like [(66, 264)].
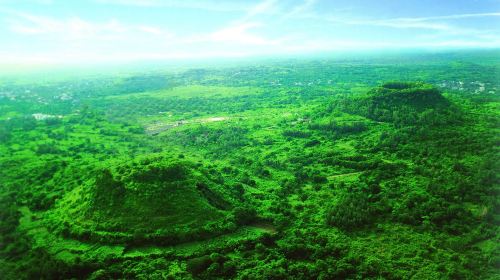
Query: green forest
[(369, 167)]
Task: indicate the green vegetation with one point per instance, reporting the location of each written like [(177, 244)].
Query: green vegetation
[(311, 169)]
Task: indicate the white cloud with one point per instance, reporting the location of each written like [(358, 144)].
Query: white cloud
[(152, 30), (75, 28), (404, 24), (210, 5), (36, 2), (463, 43), (299, 9), (393, 23), (240, 34), (432, 23), (435, 23), (263, 7), (44, 2), (456, 16)]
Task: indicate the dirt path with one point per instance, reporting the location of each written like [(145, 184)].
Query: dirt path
[(344, 175), (266, 227), (155, 128)]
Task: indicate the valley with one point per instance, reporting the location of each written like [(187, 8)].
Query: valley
[(290, 169)]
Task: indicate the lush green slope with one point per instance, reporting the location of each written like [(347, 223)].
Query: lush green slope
[(150, 199)]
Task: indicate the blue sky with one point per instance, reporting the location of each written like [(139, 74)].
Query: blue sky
[(61, 31)]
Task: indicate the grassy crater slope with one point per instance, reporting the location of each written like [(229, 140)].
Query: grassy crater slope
[(156, 198)]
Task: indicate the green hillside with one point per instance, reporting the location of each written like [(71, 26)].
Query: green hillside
[(157, 198)]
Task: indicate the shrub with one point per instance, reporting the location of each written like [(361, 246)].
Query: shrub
[(244, 215), (198, 265)]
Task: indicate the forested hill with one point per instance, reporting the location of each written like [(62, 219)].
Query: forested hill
[(420, 96), (402, 103), (154, 199)]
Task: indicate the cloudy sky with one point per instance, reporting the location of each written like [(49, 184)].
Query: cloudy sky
[(60, 31)]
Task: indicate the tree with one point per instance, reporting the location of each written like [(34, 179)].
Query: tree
[(350, 212)]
